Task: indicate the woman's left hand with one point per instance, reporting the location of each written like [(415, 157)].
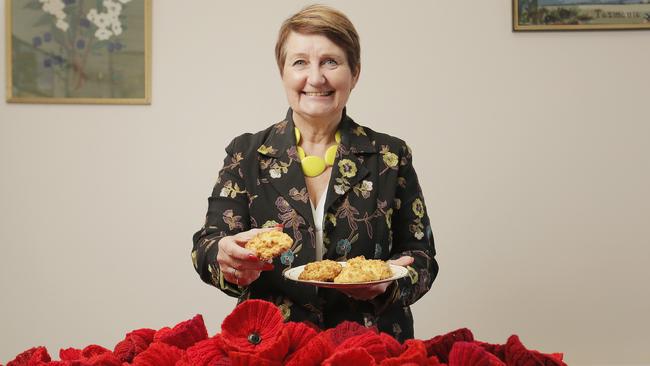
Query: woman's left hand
[(369, 293)]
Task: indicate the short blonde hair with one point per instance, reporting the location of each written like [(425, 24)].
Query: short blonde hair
[(326, 21)]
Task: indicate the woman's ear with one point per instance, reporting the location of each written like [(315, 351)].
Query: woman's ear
[(355, 75)]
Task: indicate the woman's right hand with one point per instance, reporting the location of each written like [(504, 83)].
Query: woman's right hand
[(238, 264)]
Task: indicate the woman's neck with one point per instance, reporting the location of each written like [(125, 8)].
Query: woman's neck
[(316, 131)]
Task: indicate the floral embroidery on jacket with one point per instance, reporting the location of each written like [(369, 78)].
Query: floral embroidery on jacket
[(373, 207)]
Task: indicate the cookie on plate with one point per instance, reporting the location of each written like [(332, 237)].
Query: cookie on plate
[(324, 271), (360, 269), (269, 244)]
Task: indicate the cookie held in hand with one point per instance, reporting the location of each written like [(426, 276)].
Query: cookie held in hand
[(269, 244)]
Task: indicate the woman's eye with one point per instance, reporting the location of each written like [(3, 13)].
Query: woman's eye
[(298, 62), (330, 62)]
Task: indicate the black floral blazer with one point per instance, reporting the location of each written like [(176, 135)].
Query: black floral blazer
[(374, 207)]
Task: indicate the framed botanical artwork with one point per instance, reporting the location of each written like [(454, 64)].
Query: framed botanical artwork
[(542, 15), (78, 51)]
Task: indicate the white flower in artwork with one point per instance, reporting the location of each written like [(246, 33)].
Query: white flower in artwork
[(116, 28), (103, 34), (92, 15), (108, 22), (112, 7), (102, 20), (55, 8), (62, 25)]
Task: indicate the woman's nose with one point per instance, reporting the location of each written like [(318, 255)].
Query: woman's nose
[(315, 76)]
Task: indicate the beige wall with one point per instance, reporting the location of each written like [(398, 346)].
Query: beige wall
[(532, 150)]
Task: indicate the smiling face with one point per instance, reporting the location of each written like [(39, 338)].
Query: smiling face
[(316, 77)]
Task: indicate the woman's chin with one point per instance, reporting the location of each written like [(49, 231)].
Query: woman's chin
[(320, 111)]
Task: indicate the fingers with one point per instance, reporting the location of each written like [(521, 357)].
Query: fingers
[(402, 261), (240, 278), (238, 264), (366, 293)]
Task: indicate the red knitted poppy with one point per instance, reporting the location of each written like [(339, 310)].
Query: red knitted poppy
[(94, 350), (466, 353), (133, 344), (32, 356), (69, 354), (248, 359), (158, 354), (440, 346), (415, 352), (499, 350), (370, 342), (299, 334), (206, 352), (102, 359), (313, 353), (184, 334), (350, 356), (518, 355), (253, 326), (393, 347), (346, 330)]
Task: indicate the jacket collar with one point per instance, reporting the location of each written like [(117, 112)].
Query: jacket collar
[(280, 146)]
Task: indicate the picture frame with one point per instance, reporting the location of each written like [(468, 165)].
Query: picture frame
[(78, 51), (560, 15)]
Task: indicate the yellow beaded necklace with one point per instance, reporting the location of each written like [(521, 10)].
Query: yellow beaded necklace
[(313, 166)]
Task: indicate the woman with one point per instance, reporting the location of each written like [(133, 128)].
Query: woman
[(339, 189)]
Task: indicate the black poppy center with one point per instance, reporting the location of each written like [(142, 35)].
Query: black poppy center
[(254, 338)]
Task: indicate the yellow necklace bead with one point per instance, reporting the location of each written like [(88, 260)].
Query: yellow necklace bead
[(313, 166)]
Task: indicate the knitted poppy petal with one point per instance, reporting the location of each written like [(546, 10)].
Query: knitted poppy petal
[(350, 356), (158, 354), (433, 361), (471, 354), (184, 334), (499, 350), (133, 344), (102, 359), (32, 356), (93, 350), (440, 346), (299, 334), (518, 355), (346, 330), (370, 342), (313, 353), (248, 359), (415, 352), (206, 352), (393, 347), (70, 354), (252, 325), (276, 349)]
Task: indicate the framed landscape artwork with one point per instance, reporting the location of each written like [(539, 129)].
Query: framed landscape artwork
[(540, 15), (78, 51)]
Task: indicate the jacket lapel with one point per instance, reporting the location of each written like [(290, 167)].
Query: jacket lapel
[(280, 167), (349, 167)]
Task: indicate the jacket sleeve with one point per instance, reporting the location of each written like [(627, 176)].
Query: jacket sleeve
[(412, 236), (227, 215)]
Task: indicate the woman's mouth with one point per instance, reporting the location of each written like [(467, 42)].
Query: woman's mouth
[(318, 94)]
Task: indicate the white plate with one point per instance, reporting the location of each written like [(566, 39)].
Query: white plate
[(293, 273)]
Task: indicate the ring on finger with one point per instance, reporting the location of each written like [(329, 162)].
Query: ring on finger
[(234, 274)]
